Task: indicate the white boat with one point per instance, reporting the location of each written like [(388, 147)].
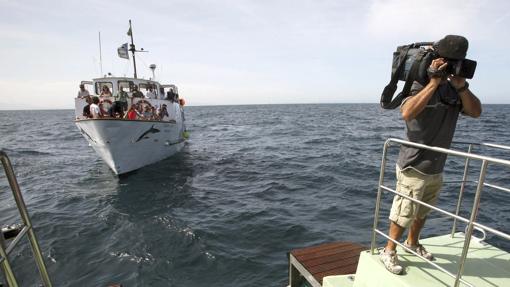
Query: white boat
[(129, 144)]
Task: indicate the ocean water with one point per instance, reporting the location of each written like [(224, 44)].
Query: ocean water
[(252, 183)]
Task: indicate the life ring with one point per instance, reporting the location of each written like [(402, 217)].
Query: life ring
[(104, 111), (144, 103)]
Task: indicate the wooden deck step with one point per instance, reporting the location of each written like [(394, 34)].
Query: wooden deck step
[(315, 262)]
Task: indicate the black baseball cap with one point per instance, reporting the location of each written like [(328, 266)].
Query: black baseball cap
[(452, 47)]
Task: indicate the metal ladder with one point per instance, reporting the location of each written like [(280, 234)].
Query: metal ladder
[(17, 232)]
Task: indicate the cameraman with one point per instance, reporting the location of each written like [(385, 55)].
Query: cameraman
[(430, 114)]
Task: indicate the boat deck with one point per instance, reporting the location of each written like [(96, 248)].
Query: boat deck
[(316, 262), (486, 265)]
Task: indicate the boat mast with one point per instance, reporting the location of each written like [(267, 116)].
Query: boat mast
[(100, 56), (132, 46)]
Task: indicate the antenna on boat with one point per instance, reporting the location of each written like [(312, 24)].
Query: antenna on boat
[(100, 55), (132, 46)]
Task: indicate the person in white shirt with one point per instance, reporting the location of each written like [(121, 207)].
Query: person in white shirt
[(151, 94), (83, 93), (95, 112)]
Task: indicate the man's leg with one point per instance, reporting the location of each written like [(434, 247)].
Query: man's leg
[(431, 193), (395, 233), (389, 255), (402, 214), (414, 231)]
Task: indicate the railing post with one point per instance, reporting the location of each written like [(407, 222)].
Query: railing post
[(16, 192), (461, 192), (379, 193), (474, 214), (5, 265)]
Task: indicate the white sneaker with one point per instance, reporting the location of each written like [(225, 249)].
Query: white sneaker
[(390, 261), (420, 250)]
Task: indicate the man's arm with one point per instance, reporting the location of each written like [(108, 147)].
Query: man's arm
[(471, 105), (414, 105)]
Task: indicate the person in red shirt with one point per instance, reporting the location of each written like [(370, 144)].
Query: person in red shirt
[(131, 114)]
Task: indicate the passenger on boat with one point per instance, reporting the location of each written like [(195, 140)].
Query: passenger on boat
[(120, 104), (105, 92), (139, 111), (86, 109), (168, 96), (137, 93), (151, 94), (131, 114), (83, 93), (95, 112), (162, 95), (147, 113), (155, 115), (430, 115), (171, 96), (162, 112)]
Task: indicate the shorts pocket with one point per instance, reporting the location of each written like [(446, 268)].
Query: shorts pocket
[(406, 206)]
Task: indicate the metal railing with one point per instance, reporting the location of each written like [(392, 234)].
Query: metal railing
[(25, 230), (471, 222), (465, 176)]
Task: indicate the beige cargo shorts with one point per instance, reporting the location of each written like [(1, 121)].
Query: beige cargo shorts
[(418, 186)]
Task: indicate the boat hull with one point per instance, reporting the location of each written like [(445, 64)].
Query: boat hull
[(127, 145)]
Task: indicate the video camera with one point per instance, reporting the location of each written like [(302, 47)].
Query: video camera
[(410, 63)]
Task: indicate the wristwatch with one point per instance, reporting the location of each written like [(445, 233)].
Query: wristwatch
[(466, 86)]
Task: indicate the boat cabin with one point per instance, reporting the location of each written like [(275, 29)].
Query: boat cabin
[(106, 87), (115, 83)]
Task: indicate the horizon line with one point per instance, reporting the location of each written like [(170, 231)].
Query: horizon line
[(227, 105)]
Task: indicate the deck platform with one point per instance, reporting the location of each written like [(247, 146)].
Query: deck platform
[(486, 266), (316, 262)]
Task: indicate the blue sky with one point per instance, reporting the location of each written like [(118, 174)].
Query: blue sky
[(240, 52)]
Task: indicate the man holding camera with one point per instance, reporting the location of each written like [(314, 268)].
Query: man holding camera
[(430, 114)]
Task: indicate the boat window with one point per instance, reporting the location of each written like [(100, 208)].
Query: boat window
[(99, 85), (155, 88), (144, 87), (126, 85), (88, 86), (171, 88)]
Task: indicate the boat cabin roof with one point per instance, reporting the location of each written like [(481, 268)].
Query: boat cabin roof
[(114, 84)]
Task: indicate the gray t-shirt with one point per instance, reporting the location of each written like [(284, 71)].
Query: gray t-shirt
[(434, 126)]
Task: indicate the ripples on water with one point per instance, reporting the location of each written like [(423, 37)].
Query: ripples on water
[(252, 183)]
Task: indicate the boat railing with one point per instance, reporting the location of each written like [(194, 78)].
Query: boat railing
[(471, 221), (465, 179), (24, 229)]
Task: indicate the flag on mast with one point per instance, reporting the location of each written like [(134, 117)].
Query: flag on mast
[(129, 32), (123, 51)]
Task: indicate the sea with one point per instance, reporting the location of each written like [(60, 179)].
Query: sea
[(252, 183)]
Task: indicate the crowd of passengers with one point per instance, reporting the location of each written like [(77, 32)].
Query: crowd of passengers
[(120, 107)]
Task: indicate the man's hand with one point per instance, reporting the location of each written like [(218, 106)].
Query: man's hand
[(457, 82), (436, 70), (471, 105)]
